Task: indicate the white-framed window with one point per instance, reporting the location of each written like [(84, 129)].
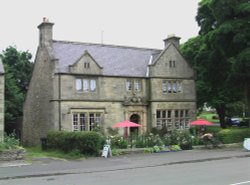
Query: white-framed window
[(85, 85), (137, 85), (86, 121), (129, 85), (163, 119), (79, 122), (181, 118), (169, 119), (164, 86), (134, 85), (171, 86)]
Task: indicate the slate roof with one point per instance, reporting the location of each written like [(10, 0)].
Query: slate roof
[(115, 60)]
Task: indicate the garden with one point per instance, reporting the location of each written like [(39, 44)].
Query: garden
[(76, 145), (84, 144)]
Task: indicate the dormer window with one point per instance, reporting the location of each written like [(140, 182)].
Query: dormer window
[(86, 65)]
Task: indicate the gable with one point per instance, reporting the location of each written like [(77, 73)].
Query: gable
[(85, 65), (171, 64)]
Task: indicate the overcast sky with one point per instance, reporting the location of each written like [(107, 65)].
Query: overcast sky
[(140, 23)]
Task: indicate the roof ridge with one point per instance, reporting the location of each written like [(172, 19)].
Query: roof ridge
[(106, 45)]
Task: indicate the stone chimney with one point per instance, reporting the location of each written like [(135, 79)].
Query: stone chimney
[(46, 32), (172, 39)]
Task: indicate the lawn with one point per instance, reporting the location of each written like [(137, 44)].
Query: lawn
[(37, 152), (209, 116)]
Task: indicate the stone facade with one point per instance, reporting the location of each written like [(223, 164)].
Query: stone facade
[(1, 101), (79, 86)]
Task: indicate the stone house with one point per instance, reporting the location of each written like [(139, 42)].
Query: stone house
[(77, 86), (1, 101)]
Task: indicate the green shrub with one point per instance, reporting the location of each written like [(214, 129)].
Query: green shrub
[(86, 142), (149, 140), (233, 135), (9, 142), (213, 129), (118, 142)]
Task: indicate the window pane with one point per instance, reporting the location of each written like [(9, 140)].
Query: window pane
[(93, 85), (173, 63), (137, 85), (129, 85), (158, 124), (91, 121), (85, 85), (176, 113), (158, 114), (179, 87), (181, 113), (169, 87), (163, 114), (75, 122), (78, 84), (169, 113), (174, 85), (164, 86), (82, 122), (98, 119)]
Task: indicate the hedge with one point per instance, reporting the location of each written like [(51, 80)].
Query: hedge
[(88, 143), (233, 135)]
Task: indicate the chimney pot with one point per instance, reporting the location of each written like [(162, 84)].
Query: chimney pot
[(172, 39)]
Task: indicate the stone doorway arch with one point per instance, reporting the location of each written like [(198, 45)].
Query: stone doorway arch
[(136, 119)]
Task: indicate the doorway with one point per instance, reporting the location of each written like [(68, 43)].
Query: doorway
[(136, 119)]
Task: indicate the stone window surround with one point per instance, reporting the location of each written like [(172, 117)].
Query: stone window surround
[(134, 85), (85, 84), (172, 118), (85, 120), (171, 86)]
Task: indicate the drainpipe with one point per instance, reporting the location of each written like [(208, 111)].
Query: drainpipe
[(59, 102)]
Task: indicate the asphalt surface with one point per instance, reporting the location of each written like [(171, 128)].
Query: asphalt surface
[(45, 167)]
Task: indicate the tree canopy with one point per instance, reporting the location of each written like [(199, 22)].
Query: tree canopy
[(221, 53), (18, 69)]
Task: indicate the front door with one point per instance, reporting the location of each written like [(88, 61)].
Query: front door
[(136, 119)]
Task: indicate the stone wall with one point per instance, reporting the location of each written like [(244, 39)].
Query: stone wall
[(9, 155), (37, 112)]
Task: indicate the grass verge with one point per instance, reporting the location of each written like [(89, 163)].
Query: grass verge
[(37, 152)]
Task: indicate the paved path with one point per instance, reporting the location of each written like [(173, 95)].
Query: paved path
[(49, 167)]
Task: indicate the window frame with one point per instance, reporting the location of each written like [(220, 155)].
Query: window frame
[(85, 85), (134, 85), (86, 121), (171, 86), (172, 118)]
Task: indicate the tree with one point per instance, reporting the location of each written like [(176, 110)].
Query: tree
[(221, 55), (18, 69)]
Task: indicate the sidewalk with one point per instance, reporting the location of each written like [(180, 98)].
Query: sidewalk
[(49, 167)]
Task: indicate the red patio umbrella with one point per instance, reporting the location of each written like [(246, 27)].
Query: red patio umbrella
[(126, 124), (200, 122)]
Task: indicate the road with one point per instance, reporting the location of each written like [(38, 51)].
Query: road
[(232, 169)]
